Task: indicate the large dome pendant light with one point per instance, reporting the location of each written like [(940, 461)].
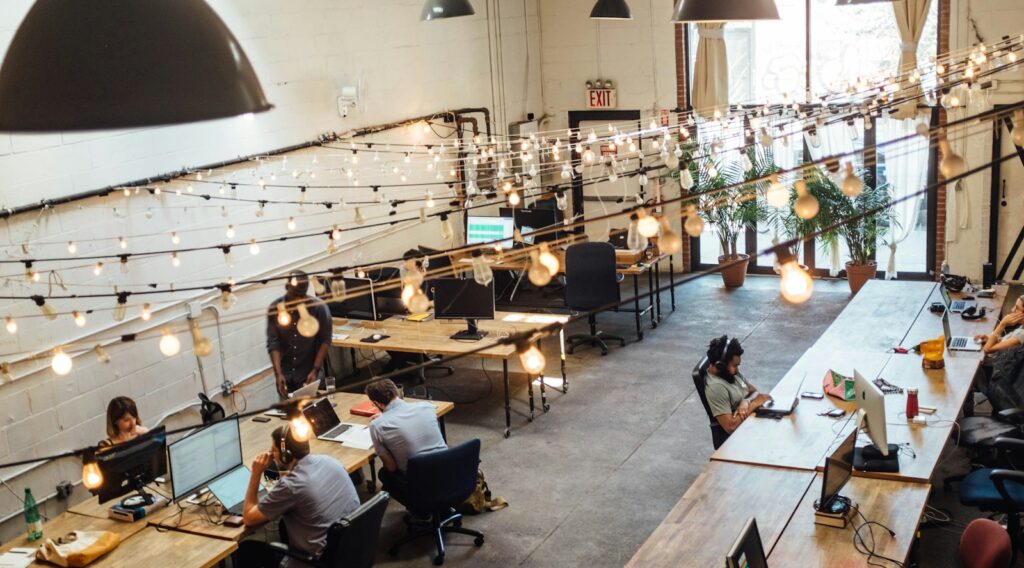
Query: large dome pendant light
[(724, 10), (441, 9), (611, 10), (104, 64)]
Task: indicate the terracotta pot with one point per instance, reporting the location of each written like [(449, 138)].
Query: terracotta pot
[(858, 274), (734, 275)]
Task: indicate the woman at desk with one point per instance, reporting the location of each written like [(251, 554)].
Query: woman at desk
[(730, 397), (123, 422), (1000, 339)]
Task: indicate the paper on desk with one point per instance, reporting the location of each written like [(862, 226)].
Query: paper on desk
[(358, 436), (339, 336), (16, 560)]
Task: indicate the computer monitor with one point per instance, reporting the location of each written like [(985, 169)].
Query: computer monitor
[(747, 551), (879, 456), (529, 220), (838, 469), (358, 301), (487, 229), (455, 298), (203, 456), (131, 466)]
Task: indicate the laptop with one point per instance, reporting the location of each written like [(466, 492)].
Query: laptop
[(328, 427), (955, 306), (775, 408), (307, 390), (230, 489), (960, 342), (747, 551)]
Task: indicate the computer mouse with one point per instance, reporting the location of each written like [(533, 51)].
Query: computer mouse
[(769, 403), (978, 340), (376, 336)]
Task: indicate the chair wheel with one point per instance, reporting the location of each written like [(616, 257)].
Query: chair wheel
[(478, 541), (439, 560)]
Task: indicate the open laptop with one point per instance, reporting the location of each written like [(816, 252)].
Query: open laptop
[(955, 306), (307, 390), (778, 408), (328, 427), (960, 342), (230, 489), (747, 551)]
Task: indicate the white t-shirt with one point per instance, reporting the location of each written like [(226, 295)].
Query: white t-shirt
[(1017, 334)]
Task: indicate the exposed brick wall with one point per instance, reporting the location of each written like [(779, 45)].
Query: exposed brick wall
[(940, 194), (681, 97)]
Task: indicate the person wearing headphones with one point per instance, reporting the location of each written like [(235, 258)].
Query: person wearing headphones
[(297, 360), (730, 397), (313, 492), (1001, 339)]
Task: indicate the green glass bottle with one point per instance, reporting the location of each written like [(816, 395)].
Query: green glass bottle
[(32, 519)]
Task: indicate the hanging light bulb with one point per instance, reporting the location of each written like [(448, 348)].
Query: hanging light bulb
[(254, 247), (49, 311), (92, 477), (147, 313), (230, 233), (647, 225), (61, 363), (175, 260), (548, 259), (481, 270), (795, 283), (291, 223), (694, 224), (72, 248), (513, 198), (175, 239), (228, 299), (284, 319), (538, 274), (359, 217), (588, 156), (122, 243), (418, 302), (101, 354), (531, 358), (169, 343), (777, 196), (121, 307), (308, 325), (30, 273), (634, 240), (97, 269), (668, 240), (672, 161), (852, 185), (11, 325), (686, 179), (299, 427), (79, 318), (561, 201), (952, 164), (337, 289), (201, 345), (446, 230), (806, 206), (429, 201)]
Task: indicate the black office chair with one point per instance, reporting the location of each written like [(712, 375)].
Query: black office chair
[(352, 541), (978, 434), (209, 410), (700, 376), (999, 490), (438, 482), (591, 282)]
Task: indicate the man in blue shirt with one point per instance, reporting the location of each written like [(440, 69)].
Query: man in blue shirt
[(297, 359)]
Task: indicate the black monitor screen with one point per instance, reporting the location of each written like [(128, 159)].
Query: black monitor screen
[(455, 298), (130, 466), (838, 468), (358, 298), (747, 551)]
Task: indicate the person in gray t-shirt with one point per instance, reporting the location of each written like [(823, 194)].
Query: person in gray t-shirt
[(313, 493), (1001, 339), (402, 430), (730, 397)]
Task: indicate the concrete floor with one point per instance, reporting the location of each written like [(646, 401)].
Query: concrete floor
[(590, 480)]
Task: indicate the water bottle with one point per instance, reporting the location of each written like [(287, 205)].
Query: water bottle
[(32, 520), (912, 407)]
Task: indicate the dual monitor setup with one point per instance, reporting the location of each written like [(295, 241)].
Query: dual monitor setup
[(482, 229), (210, 457)]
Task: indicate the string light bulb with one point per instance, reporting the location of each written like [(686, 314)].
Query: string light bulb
[(97, 269), (308, 326), (482, 273), (429, 202), (634, 240), (79, 318), (694, 224), (61, 362), (299, 427), (952, 164), (359, 217), (548, 259), (513, 198), (101, 354), (48, 310), (230, 233), (121, 307), (121, 242), (72, 248), (175, 260), (147, 313), (291, 223), (11, 325), (201, 345), (175, 239), (228, 299), (647, 225), (170, 345), (777, 196), (254, 247), (531, 358), (668, 240), (284, 319), (795, 283), (852, 185), (538, 274), (806, 206), (92, 477)]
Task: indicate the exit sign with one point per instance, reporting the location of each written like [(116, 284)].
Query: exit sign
[(601, 98)]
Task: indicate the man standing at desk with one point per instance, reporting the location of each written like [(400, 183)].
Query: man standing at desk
[(297, 359), (730, 397), (402, 430)]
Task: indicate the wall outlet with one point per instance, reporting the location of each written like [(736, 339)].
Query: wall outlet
[(195, 310), (225, 388), (64, 489)]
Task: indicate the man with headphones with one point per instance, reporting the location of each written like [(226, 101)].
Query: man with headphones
[(730, 397), (313, 493), (297, 360)]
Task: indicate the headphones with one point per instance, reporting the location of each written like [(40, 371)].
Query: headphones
[(730, 346), (972, 313), (286, 454)]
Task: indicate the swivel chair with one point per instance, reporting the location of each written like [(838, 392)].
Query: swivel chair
[(700, 376), (351, 542), (999, 490), (591, 282)]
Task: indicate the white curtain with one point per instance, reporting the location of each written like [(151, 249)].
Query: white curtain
[(836, 139), (910, 18), (906, 171), (711, 74)]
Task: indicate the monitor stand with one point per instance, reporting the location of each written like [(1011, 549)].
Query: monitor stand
[(471, 333), (140, 499), (869, 458)]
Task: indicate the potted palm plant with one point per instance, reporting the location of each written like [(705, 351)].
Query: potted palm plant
[(851, 220)]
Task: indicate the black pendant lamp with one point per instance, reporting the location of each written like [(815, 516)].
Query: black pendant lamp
[(724, 10), (611, 10), (440, 9), (104, 64)]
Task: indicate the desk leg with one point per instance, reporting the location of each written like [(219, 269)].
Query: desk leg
[(529, 389), (636, 304), (371, 485), (355, 364), (543, 391), (657, 288), (650, 297), (672, 281), (508, 403), (444, 431), (561, 359)]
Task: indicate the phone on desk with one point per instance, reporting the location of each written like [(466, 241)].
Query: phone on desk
[(812, 395), (260, 419), (233, 521)]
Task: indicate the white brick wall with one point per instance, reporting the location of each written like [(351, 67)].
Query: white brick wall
[(303, 52)]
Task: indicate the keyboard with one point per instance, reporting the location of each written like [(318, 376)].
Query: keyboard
[(336, 431), (958, 342)]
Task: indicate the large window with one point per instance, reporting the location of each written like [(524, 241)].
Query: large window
[(772, 62)]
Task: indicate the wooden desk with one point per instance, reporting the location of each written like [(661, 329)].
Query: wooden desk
[(929, 325), (878, 317), (895, 504), (434, 337), (802, 439), (706, 521), (67, 522)]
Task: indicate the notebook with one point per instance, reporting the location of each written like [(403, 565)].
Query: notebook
[(365, 408)]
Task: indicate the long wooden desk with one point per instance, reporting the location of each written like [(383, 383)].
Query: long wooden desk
[(878, 317), (434, 337), (140, 545)]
